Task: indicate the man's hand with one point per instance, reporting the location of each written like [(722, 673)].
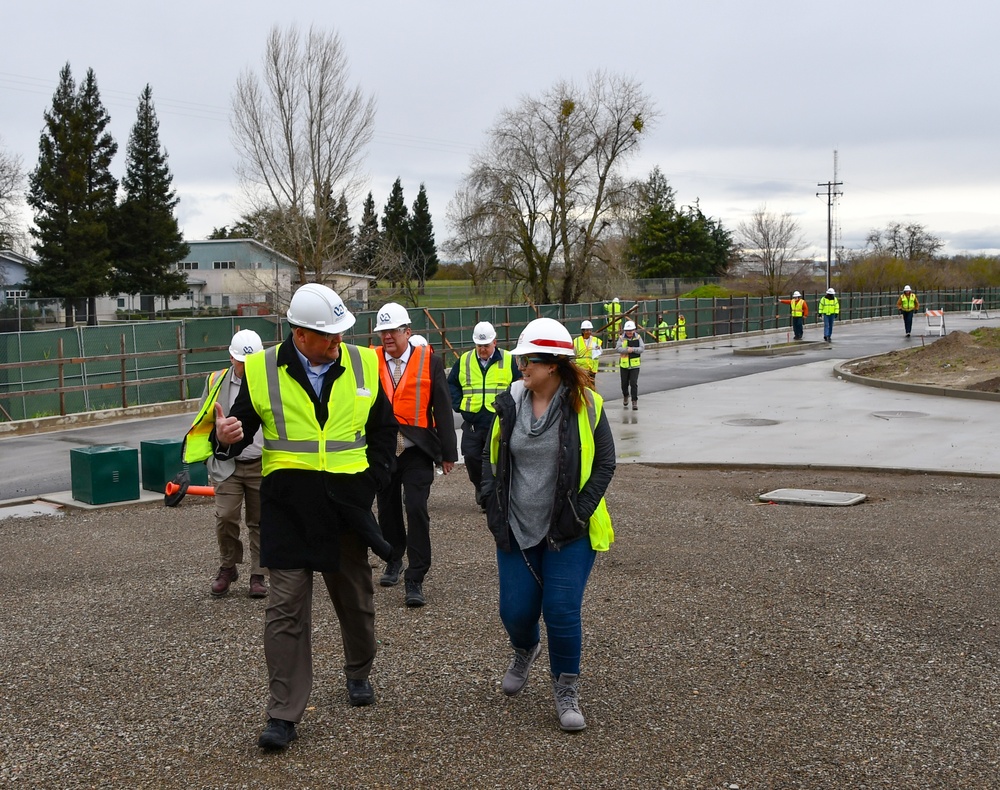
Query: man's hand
[(447, 466), (228, 430)]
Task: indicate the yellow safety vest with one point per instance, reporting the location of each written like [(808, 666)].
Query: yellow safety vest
[(664, 332), (829, 306), (479, 390), (682, 332), (908, 302), (293, 437), (629, 361), (197, 447), (584, 352), (797, 307)]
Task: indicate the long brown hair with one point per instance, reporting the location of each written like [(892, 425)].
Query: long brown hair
[(576, 380)]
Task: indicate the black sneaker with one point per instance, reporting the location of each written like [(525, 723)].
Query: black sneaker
[(277, 734), (415, 594), (391, 576), (360, 692)]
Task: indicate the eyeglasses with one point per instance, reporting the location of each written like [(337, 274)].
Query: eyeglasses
[(523, 362)]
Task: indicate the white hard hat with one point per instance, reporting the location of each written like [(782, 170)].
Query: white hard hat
[(244, 343), (586, 325), (418, 340), (630, 326), (615, 299), (796, 294), (830, 292), (483, 333), (392, 316), (318, 307), (544, 336), (907, 288)]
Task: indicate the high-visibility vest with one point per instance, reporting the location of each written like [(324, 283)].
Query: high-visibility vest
[(798, 307), (602, 534), (584, 349), (480, 388), (293, 437), (630, 361), (664, 332), (908, 303), (411, 398), (682, 332), (613, 309), (197, 447), (828, 306)]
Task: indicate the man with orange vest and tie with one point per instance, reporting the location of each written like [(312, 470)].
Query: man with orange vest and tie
[(799, 310), (415, 382)]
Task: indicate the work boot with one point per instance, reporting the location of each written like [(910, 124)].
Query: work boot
[(415, 594), (635, 405), (625, 401), (568, 703), (516, 676), (391, 576), (258, 587), (360, 692), (277, 734), (222, 581)]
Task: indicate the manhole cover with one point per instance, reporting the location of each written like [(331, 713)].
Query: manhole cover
[(750, 422), (897, 415), (807, 496)]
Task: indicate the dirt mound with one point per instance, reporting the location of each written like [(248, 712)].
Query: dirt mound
[(961, 360)]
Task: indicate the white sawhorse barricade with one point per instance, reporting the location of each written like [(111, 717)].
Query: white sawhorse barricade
[(935, 322), (978, 310)]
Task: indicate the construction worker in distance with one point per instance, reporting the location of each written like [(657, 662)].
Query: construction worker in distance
[(415, 382), (829, 308), (680, 330), (664, 331), (907, 304), (799, 310), (614, 311), (587, 348), (475, 381), (629, 348), (236, 480), (329, 446)]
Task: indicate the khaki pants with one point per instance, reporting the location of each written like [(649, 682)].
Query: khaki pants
[(241, 488)]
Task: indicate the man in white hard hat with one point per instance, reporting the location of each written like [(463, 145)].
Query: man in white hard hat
[(800, 310), (415, 382), (629, 349), (587, 348), (329, 445), (907, 304), (475, 381), (829, 308), (236, 480), (614, 327)]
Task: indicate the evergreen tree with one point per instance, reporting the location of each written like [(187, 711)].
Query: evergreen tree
[(367, 243), (396, 235), (422, 249), (342, 236), (73, 196), (148, 241)]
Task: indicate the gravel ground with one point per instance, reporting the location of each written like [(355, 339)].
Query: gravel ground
[(728, 644)]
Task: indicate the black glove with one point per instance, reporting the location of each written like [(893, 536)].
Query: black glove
[(380, 475)]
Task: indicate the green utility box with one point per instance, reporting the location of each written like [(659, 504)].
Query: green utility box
[(105, 473), (162, 460)]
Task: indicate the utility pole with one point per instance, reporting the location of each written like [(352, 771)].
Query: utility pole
[(831, 196)]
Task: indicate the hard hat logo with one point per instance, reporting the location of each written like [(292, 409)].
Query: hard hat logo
[(339, 310), (384, 318)]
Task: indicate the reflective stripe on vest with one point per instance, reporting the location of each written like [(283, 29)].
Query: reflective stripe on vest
[(681, 328), (797, 307), (197, 446), (293, 438), (584, 349), (480, 394), (829, 306), (908, 303), (411, 398), (630, 361)]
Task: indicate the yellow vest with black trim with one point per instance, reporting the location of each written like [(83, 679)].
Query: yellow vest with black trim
[(629, 360), (293, 437), (601, 532), (478, 390), (197, 446)]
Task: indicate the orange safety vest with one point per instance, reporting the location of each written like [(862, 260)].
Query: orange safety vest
[(411, 398)]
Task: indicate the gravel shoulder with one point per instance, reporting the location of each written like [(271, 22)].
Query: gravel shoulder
[(727, 644)]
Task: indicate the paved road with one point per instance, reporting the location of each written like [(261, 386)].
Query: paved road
[(693, 399)]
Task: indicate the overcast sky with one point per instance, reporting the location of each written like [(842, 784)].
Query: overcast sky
[(754, 97)]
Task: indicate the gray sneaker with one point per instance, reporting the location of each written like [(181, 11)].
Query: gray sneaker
[(517, 673), (568, 703)]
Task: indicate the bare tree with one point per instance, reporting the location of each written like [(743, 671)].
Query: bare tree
[(911, 242), (547, 182), (301, 133), (773, 242), (12, 235)]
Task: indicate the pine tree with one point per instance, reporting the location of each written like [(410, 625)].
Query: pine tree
[(148, 241), (341, 235), (422, 249), (367, 243), (73, 195), (396, 235)]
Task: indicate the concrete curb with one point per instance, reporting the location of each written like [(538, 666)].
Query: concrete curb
[(923, 389)]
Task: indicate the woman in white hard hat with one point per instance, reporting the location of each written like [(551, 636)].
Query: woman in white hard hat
[(549, 460), (907, 304), (629, 349), (829, 308)]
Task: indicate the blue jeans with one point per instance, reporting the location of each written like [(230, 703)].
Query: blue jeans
[(559, 599), (828, 324), (798, 325)]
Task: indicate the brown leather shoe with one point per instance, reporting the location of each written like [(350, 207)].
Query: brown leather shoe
[(258, 587), (226, 577)]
